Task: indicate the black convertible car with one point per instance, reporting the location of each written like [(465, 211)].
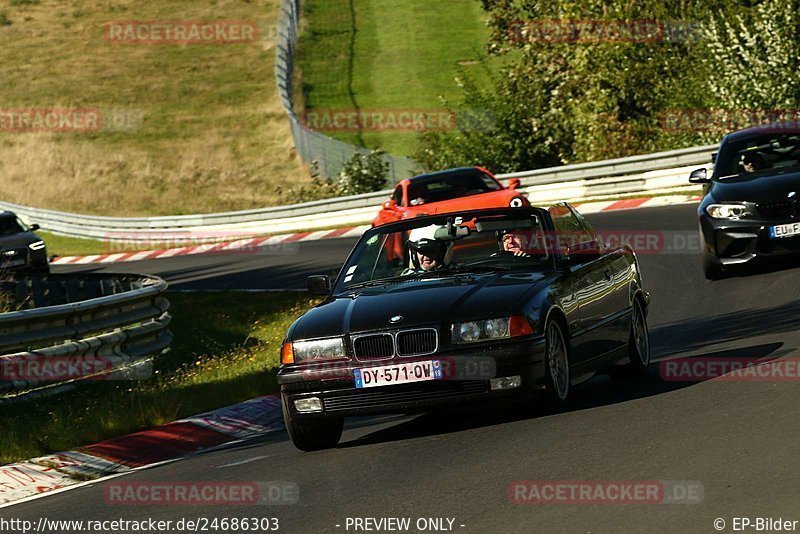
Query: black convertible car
[(467, 305), (751, 207)]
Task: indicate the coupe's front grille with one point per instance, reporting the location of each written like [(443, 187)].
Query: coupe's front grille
[(777, 209), (417, 342), (13, 256), (402, 396), (374, 347)]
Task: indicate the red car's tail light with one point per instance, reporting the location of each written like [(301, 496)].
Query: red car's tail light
[(287, 353), (519, 326)]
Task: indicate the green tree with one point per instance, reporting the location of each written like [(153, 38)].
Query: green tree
[(756, 56), (563, 97), (364, 173)]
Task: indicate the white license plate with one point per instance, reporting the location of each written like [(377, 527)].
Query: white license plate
[(403, 373), (784, 230)]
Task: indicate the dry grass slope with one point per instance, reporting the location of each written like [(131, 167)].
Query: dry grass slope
[(205, 129)]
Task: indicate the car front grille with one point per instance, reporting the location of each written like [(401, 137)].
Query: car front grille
[(777, 209), (417, 342), (387, 345), (403, 395), (13, 256), (374, 347)]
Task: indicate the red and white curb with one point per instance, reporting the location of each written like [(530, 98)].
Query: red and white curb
[(56, 472), (230, 247), (255, 244)]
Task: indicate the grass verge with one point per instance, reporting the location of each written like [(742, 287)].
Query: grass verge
[(199, 128), (225, 351), (387, 55)]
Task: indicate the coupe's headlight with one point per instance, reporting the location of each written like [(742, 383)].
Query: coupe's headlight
[(38, 245), (473, 331), (318, 350), (488, 329), (728, 211)]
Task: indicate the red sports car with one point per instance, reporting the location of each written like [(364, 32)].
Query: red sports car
[(460, 189)]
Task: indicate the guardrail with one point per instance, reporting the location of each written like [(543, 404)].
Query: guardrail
[(662, 171), (68, 329)]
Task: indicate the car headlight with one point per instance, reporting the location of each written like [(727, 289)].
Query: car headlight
[(516, 202), (313, 351), (488, 329), (472, 331), (728, 211), (38, 245)]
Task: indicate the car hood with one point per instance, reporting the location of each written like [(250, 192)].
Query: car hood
[(419, 302), (22, 239), (757, 188)]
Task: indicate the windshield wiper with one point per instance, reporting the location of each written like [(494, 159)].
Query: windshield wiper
[(380, 281), (467, 269), (462, 269)]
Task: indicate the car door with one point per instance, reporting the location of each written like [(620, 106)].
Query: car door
[(613, 311), (585, 286)]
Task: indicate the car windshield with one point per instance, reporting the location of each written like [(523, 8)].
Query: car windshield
[(449, 247), (449, 186), (765, 152), (10, 226)]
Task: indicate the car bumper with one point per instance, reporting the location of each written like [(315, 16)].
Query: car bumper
[(25, 260), (468, 374), (741, 242)]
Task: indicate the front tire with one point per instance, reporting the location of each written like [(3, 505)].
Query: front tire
[(557, 353), (313, 433), (639, 340)]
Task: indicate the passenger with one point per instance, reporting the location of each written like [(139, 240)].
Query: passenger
[(426, 252)]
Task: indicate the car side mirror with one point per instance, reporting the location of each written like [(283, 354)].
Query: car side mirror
[(390, 204), (698, 176), (514, 183), (34, 227), (578, 253), (319, 285)]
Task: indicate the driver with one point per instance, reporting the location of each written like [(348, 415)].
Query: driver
[(516, 242), (426, 252), (752, 162)]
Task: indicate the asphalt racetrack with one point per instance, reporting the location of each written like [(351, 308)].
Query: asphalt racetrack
[(738, 439)]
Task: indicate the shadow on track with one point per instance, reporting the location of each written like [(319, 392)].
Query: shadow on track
[(699, 332), (600, 391)]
